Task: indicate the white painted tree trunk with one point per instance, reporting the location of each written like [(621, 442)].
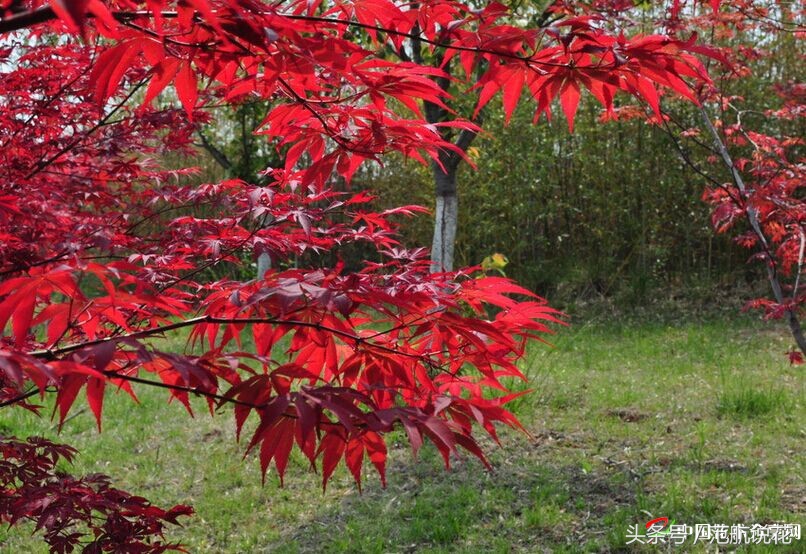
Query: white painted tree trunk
[(264, 259), (446, 217), (263, 265), (446, 213)]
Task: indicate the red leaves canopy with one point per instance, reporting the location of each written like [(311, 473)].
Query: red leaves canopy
[(31, 488), (103, 249)]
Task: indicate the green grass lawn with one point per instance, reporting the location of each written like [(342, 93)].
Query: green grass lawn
[(702, 423)]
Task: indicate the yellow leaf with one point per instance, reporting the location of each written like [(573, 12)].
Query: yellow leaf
[(496, 262)]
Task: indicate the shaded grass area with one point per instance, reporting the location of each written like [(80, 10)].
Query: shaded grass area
[(702, 423)]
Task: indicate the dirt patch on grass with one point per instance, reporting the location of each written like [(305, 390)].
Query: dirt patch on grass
[(794, 499), (630, 415), (724, 465)]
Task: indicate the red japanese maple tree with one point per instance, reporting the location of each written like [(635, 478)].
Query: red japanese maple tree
[(104, 250), (759, 190), (751, 160)]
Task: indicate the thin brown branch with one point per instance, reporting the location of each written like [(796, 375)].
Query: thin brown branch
[(44, 163), (53, 353), (20, 398)]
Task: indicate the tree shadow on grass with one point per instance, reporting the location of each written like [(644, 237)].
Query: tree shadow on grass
[(526, 505)]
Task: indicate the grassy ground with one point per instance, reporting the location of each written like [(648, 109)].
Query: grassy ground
[(702, 423)]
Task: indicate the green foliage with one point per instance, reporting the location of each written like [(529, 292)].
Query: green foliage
[(607, 211), (747, 400)]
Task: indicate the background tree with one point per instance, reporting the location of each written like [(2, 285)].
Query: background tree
[(760, 186), (611, 214)]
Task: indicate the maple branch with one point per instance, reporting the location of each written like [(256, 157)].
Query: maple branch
[(182, 388), (465, 138), (679, 124), (215, 152), (20, 398), (458, 48), (779, 25), (684, 155), (166, 38), (53, 353), (50, 100), (224, 255), (162, 385), (752, 217), (23, 20), (19, 268), (44, 163), (346, 144)]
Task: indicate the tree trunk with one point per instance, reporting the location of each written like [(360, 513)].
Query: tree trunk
[(446, 216), (263, 265), (446, 212)]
